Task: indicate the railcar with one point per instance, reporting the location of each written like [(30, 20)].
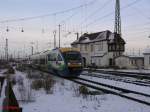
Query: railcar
[(65, 62)]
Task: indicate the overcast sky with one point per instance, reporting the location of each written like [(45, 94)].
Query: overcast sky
[(97, 15)]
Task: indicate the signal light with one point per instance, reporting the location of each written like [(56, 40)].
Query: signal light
[(22, 30), (7, 29)]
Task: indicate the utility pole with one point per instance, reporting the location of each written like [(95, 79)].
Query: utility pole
[(18, 55), (77, 35), (14, 55), (54, 38), (117, 28), (6, 50), (37, 46), (139, 52), (32, 43), (59, 34), (32, 50)]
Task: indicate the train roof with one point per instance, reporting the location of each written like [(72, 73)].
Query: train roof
[(68, 49)]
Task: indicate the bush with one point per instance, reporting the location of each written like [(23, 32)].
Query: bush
[(13, 81), (31, 75), (10, 71), (83, 90), (37, 84), (20, 67), (48, 85)]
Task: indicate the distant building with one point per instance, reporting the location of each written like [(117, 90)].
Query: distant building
[(100, 48), (147, 59), (130, 62)]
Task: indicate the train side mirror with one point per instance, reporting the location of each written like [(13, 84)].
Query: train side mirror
[(54, 59)]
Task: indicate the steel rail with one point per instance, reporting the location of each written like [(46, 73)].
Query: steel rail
[(114, 87), (123, 74), (140, 83), (111, 92), (79, 80)]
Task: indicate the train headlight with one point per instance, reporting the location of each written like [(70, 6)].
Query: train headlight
[(69, 63)]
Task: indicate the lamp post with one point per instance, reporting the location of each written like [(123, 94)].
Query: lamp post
[(32, 43), (54, 38), (59, 34)]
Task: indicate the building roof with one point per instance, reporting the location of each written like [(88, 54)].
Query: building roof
[(99, 36), (147, 51), (131, 56), (136, 57)]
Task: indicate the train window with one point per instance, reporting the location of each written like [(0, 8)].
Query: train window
[(52, 57), (59, 57), (72, 56), (49, 57)]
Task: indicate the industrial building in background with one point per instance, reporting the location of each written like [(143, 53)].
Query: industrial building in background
[(100, 48)]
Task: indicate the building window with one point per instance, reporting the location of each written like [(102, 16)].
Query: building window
[(91, 48), (81, 47), (113, 47), (132, 62), (102, 45), (75, 46), (85, 46), (99, 47), (99, 62), (109, 48), (117, 47)]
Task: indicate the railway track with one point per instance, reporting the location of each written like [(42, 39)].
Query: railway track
[(118, 78), (114, 90), (137, 75), (110, 89)]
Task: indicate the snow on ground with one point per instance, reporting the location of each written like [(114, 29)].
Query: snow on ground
[(2, 95), (65, 99), (129, 70), (133, 87), (2, 71)]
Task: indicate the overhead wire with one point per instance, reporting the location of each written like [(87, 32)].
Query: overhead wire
[(97, 10), (63, 22), (47, 15), (111, 13), (140, 13)]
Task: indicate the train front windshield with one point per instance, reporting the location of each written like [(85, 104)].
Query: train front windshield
[(72, 56)]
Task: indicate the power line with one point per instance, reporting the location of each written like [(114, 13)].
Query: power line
[(135, 25), (111, 13), (97, 10), (140, 12), (47, 15), (68, 18), (72, 15)]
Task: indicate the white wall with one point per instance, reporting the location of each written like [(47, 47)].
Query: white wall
[(147, 61), (122, 62)]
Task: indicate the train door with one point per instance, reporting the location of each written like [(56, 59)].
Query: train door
[(84, 61), (110, 62)]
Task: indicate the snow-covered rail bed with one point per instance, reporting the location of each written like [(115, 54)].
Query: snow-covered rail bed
[(136, 92), (119, 78), (65, 98), (129, 86), (137, 75)]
